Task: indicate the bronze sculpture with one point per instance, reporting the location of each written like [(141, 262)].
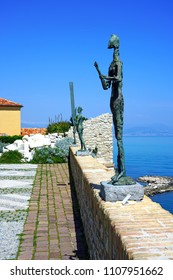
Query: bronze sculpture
[(114, 80), (79, 127)]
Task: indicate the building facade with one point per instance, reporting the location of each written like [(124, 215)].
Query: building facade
[(10, 117)]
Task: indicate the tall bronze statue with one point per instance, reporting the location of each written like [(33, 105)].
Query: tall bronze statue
[(114, 80)]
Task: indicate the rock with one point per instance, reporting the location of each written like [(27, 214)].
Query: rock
[(10, 147), (26, 153), (25, 138), (38, 140), (82, 153), (115, 193), (156, 184), (17, 145), (53, 135)]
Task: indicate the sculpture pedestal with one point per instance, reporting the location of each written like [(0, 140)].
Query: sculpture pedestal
[(82, 153), (115, 193)]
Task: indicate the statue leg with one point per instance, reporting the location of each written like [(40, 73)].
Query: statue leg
[(81, 140), (119, 136), (121, 160), (118, 126), (120, 163), (83, 144)]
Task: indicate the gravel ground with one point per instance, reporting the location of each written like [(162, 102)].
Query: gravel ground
[(9, 239), (16, 182)]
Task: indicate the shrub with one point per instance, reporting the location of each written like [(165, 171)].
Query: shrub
[(63, 127), (11, 157), (58, 127), (64, 144), (10, 139), (48, 155)]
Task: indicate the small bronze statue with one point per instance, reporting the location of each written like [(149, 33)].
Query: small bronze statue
[(79, 127), (114, 79)]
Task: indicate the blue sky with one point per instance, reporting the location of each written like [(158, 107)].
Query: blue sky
[(45, 44)]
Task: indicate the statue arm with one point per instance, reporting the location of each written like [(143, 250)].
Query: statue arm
[(105, 84), (109, 78)]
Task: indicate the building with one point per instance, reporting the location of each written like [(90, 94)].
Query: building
[(10, 117)]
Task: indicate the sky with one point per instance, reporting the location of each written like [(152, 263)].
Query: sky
[(45, 44)]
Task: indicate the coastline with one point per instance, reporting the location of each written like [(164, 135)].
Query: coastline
[(156, 184)]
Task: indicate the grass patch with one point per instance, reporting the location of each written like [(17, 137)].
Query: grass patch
[(13, 216), (11, 157)]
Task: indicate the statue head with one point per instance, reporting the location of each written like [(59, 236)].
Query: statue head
[(79, 109), (114, 42)]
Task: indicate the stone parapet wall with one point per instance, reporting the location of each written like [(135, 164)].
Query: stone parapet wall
[(134, 231), (97, 133)]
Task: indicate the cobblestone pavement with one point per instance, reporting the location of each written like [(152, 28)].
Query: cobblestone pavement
[(53, 229)]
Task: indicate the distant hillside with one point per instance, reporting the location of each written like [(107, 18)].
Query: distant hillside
[(151, 130)]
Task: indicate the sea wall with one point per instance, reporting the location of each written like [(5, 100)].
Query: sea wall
[(97, 134), (134, 231)]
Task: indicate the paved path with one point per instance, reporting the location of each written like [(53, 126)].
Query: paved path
[(53, 229), (16, 184)]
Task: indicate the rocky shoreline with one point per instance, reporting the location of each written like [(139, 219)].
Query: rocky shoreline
[(156, 184)]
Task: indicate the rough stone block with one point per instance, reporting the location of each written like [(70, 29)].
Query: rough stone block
[(82, 153), (115, 193)]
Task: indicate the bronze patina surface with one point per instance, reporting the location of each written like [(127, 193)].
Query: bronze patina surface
[(114, 81)]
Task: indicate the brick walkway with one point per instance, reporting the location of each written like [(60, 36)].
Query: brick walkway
[(53, 229)]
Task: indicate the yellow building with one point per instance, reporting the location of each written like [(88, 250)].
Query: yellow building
[(10, 117)]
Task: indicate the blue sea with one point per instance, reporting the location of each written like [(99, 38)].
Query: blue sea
[(149, 156)]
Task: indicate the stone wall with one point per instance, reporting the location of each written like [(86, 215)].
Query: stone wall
[(134, 231), (98, 134)]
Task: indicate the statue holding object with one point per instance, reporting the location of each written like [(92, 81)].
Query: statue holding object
[(114, 80)]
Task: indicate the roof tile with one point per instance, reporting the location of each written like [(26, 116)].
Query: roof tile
[(5, 102)]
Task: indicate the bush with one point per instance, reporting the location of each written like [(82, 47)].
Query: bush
[(10, 139), (11, 157), (48, 155), (64, 144), (58, 127), (63, 127)]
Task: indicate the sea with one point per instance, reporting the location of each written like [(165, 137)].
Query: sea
[(149, 155)]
